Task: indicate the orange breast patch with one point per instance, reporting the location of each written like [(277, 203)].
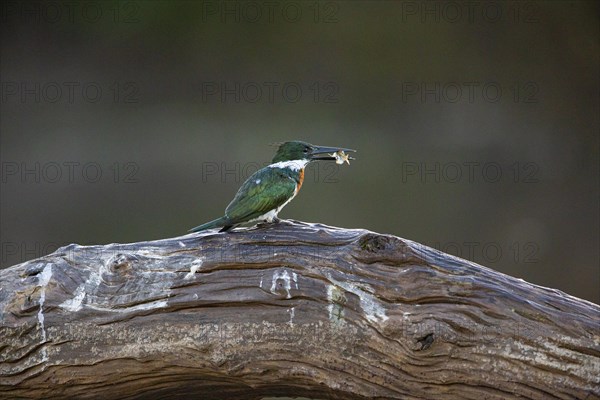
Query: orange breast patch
[(300, 180)]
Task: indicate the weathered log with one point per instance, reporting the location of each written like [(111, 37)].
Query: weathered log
[(287, 309)]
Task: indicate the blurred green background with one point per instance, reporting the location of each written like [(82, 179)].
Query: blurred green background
[(476, 123)]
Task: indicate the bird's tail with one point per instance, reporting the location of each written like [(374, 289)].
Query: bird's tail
[(222, 222)]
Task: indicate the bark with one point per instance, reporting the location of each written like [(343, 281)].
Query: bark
[(288, 309)]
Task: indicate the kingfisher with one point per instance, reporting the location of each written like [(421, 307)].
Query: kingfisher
[(262, 196)]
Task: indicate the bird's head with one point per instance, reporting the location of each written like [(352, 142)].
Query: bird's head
[(298, 150)]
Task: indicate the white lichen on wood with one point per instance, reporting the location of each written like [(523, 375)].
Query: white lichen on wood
[(43, 280)]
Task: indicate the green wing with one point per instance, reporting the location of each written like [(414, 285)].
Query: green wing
[(264, 191)]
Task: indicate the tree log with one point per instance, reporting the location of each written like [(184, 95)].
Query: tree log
[(288, 309)]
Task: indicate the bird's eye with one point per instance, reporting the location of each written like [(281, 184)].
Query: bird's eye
[(305, 150)]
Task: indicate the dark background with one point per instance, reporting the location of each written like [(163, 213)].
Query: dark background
[(476, 123)]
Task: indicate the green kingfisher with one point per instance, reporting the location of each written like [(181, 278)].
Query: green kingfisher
[(271, 188)]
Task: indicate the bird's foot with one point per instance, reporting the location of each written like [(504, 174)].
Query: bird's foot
[(283, 221), (271, 222)]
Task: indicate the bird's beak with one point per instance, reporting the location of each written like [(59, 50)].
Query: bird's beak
[(327, 153)]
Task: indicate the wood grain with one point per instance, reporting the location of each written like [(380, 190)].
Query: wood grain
[(289, 309)]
